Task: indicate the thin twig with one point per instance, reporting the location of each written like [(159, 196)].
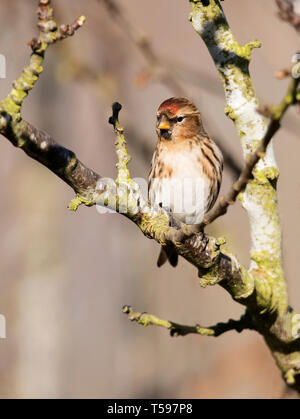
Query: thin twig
[(143, 44), (287, 13), (176, 329)]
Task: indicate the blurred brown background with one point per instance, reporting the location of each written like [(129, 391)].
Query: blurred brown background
[(65, 276)]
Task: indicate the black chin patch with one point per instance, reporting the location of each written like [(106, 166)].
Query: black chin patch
[(165, 134)]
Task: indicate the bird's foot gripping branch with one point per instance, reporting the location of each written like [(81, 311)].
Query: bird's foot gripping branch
[(261, 289)]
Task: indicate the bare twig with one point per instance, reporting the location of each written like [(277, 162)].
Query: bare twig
[(143, 44), (287, 13), (176, 329)]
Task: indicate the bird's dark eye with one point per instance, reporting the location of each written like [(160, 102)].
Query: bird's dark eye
[(180, 119)]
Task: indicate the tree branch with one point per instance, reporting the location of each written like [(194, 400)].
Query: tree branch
[(276, 114), (288, 13), (259, 198), (176, 329), (49, 34), (262, 289), (35, 143)]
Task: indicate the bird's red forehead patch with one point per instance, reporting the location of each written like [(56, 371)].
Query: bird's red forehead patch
[(173, 105)]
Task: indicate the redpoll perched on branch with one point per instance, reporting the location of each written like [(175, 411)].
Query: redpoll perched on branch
[(186, 169)]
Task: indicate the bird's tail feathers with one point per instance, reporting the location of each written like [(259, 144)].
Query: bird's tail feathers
[(167, 253)]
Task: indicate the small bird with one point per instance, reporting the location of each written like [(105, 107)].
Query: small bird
[(186, 168)]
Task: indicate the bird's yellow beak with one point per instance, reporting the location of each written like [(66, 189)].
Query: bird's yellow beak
[(164, 125)]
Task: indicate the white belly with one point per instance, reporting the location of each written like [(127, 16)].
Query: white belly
[(186, 192)]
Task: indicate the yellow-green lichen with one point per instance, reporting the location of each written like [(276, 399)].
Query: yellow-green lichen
[(123, 156), (265, 175), (270, 283), (209, 12), (230, 112), (278, 111), (11, 107), (79, 200), (290, 374), (263, 193), (243, 81), (240, 197), (220, 242), (222, 36), (241, 285), (154, 226), (210, 278)]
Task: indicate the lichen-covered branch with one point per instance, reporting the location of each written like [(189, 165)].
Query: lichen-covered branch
[(49, 34), (38, 144), (176, 329), (262, 288), (215, 266), (276, 113), (260, 198)]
